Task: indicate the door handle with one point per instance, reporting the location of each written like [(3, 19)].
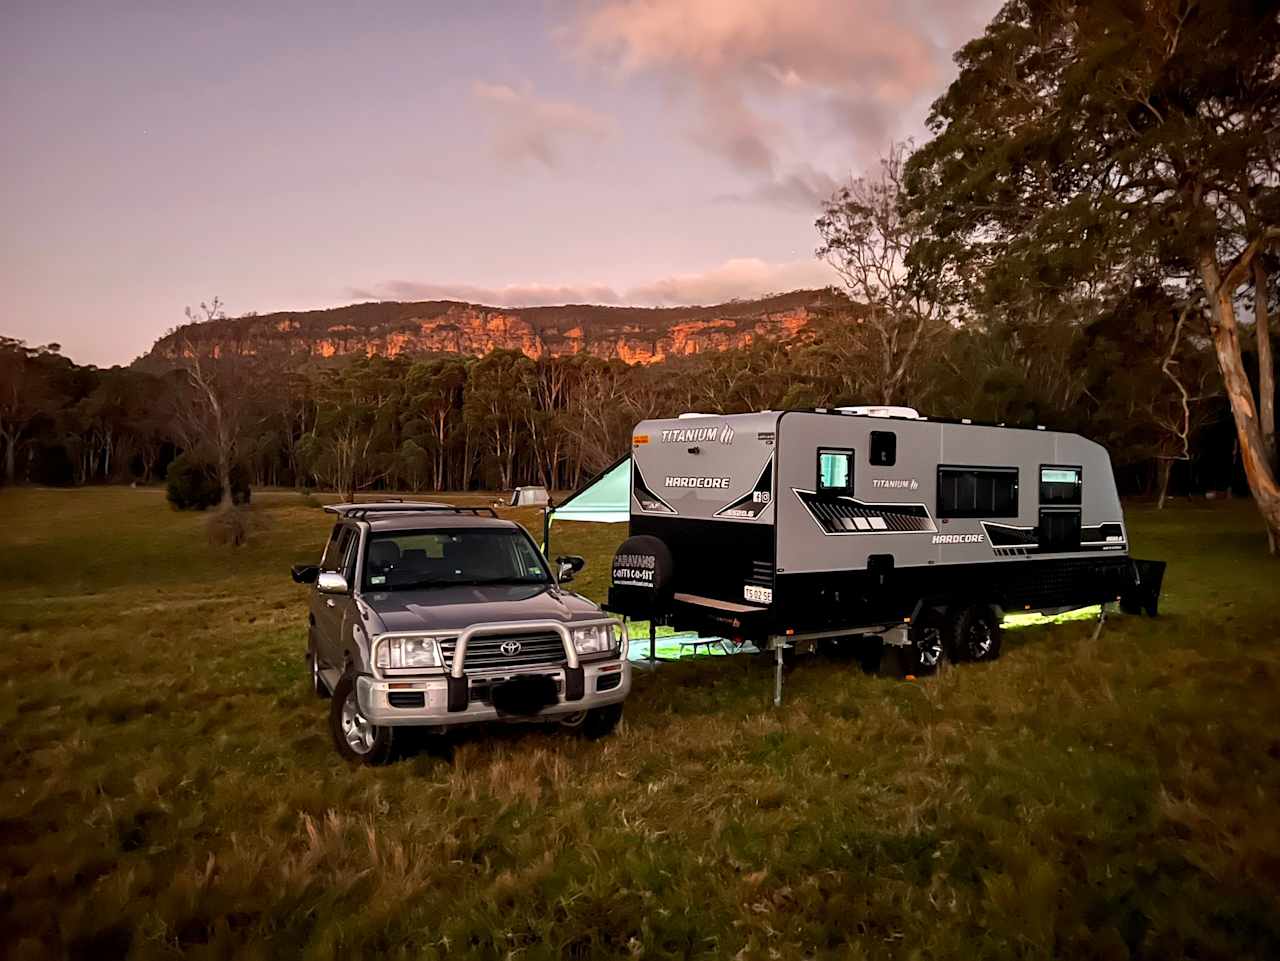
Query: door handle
[(330, 602)]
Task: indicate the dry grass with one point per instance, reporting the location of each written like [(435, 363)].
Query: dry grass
[(170, 790)]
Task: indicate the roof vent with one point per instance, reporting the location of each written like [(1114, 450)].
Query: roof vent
[(909, 412), (688, 416)]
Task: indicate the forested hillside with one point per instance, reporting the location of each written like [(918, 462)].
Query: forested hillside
[(631, 334)]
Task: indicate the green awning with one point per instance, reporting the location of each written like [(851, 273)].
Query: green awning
[(606, 500)]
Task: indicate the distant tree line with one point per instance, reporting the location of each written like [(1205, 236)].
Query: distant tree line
[(501, 420)]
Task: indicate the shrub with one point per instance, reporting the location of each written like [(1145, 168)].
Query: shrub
[(231, 528), (193, 484)]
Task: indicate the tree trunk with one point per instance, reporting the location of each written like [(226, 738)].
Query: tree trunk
[(1226, 342), (1266, 363), (1166, 469), (10, 459), (224, 475)]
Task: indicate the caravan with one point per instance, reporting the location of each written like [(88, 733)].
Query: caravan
[(789, 527)]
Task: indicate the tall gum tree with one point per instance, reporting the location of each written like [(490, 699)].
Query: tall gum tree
[(1095, 139)]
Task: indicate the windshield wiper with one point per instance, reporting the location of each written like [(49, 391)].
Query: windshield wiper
[(462, 582)]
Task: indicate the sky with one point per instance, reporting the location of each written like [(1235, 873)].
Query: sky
[(293, 155)]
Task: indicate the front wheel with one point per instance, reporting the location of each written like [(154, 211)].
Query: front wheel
[(600, 722), (355, 737)]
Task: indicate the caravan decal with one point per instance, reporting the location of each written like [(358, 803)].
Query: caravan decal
[(650, 503), (755, 501), (1009, 541), (838, 514), (697, 435)]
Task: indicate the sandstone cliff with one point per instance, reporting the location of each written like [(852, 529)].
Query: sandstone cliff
[(633, 334)]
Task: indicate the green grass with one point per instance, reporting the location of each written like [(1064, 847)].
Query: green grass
[(169, 788)]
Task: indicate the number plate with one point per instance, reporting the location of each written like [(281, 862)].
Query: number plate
[(757, 595)]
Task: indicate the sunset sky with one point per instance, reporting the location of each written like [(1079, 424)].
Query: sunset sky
[(306, 154)]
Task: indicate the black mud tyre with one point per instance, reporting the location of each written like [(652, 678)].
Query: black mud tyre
[(927, 652), (356, 739), (314, 679), (973, 634), (600, 722)]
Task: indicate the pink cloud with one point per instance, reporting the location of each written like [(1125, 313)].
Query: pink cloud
[(529, 128), (861, 71), (738, 278)]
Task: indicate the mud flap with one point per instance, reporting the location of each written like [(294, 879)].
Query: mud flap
[(1143, 595)]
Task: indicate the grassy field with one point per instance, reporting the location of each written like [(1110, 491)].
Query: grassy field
[(169, 787)]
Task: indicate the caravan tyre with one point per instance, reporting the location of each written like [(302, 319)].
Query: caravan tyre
[(973, 633), (927, 651)]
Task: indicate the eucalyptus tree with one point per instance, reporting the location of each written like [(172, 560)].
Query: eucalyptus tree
[(1084, 142)]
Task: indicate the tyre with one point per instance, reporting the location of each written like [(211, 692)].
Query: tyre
[(354, 737), (316, 681), (973, 633), (928, 650), (600, 722)]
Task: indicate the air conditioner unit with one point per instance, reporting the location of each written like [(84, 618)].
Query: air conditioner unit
[(909, 412)]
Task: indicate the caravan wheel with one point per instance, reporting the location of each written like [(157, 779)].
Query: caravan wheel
[(973, 633), (927, 651)]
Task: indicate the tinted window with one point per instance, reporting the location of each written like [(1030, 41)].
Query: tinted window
[(1059, 485), (977, 492), (336, 551), (835, 470), (884, 448), (412, 560)]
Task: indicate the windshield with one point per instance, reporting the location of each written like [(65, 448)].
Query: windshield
[(406, 560)]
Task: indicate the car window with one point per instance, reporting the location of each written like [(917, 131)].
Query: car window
[(411, 560), (336, 553)]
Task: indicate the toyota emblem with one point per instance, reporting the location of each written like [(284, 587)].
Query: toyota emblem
[(510, 648)]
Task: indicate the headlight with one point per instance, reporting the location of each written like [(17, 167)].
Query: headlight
[(595, 639), (405, 652)]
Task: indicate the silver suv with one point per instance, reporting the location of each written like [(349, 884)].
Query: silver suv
[(429, 614)]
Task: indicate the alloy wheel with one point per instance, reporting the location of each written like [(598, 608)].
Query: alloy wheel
[(356, 728), (929, 647)]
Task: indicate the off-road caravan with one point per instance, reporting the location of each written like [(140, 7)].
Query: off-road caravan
[(779, 527)]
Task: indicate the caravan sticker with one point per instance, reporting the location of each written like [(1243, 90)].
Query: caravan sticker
[(958, 539), (697, 435), (705, 483), (906, 484)]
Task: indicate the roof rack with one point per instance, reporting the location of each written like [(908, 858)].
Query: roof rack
[(364, 510)]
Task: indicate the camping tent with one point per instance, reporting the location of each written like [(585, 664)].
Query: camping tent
[(529, 497)]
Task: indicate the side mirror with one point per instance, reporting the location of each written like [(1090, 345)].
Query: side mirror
[(305, 573), (331, 582), (569, 565)]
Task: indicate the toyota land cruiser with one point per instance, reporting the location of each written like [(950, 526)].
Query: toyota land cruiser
[(429, 614)]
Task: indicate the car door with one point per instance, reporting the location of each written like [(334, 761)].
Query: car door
[(327, 609)]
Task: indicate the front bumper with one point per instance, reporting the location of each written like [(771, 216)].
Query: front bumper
[(378, 696)]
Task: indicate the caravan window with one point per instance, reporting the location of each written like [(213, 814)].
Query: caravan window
[(1059, 485), (884, 448), (835, 470), (977, 491)]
